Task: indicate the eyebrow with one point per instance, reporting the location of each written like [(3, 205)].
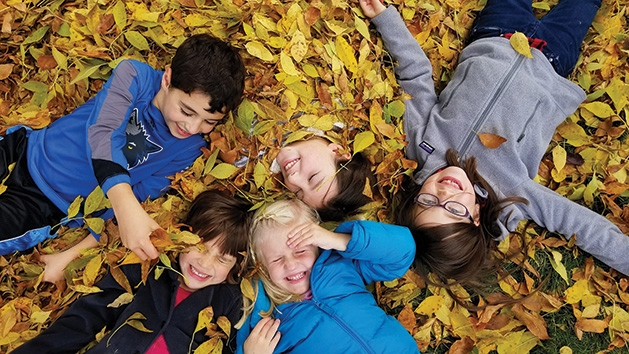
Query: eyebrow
[(182, 103)]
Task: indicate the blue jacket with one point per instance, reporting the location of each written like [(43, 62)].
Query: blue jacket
[(118, 136), (89, 314), (343, 316)]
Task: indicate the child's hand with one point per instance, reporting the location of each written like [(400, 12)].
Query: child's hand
[(372, 8), (134, 224), (135, 230), (263, 338), (312, 234)]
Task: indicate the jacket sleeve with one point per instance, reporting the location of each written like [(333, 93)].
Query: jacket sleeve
[(380, 251), (80, 323), (106, 136), (262, 304), (414, 74), (595, 234)]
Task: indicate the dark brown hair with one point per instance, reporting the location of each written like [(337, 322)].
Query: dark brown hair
[(458, 251), (206, 64), (213, 214), (351, 179)]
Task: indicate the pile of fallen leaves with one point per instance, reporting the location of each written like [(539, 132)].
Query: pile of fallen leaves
[(316, 66)]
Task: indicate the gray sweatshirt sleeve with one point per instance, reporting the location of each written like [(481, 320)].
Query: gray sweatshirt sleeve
[(595, 234), (414, 74)]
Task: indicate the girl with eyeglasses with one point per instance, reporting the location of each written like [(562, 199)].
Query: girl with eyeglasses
[(465, 195)]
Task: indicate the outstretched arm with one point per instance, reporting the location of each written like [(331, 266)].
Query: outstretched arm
[(595, 234)]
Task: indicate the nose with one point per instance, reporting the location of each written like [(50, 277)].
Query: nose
[(194, 127), (205, 262), (290, 264)]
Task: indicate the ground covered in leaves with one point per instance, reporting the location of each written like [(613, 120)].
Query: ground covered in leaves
[(318, 65)]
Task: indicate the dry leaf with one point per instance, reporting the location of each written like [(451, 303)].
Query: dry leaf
[(491, 141)]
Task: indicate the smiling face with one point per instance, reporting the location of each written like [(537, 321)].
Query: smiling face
[(185, 114), (288, 268), (202, 268), (449, 184), (309, 168)]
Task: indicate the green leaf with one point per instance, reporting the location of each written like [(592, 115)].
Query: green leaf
[(60, 58), (363, 140), (361, 27), (95, 224), (120, 15), (84, 74), (35, 86), (36, 36), (164, 259), (244, 118), (209, 164), (223, 171), (555, 261), (137, 40), (259, 174)]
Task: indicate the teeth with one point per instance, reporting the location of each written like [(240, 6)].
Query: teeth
[(451, 182), (290, 164), (296, 277), (197, 273)]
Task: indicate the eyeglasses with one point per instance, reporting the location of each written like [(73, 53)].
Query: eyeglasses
[(451, 206)]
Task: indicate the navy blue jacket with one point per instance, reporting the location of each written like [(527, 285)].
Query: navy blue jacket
[(89, 314)]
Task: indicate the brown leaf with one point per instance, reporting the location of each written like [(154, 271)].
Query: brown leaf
[(491, 141), (120, 278), (5, 70), (407, 318), (533, 321), (462, 346), (312, 15), (591, 325)]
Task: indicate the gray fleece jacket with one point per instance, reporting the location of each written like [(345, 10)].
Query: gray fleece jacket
[(496, 90)]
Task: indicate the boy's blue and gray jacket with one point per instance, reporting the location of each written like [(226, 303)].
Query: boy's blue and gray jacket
[(118, 136), (89, 314), (496, 90), (343, 316)]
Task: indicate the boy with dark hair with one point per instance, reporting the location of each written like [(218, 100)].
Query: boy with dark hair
[(170, 303), (143, 126)]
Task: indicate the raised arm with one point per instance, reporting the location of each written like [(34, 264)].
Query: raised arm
[(381, 251), (413, 71)]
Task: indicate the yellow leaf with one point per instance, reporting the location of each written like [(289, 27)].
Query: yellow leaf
[(559, 157), (95, 201), (214, 345), (346, 53), (555, 261), (429, 305), (223, 171), (599, 109), (361, 27), (573, 133), (247, 289), (298, 46), (123, 299), (224, 324), (363, 140), (288, 66), (79, 288), (196, 20), (520, 43), (491, 141), (204, 318), (91, 269), (40, 316), (258, 50), (259, 174), (73, 209)]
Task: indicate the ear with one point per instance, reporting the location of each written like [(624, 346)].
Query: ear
[(339, 151), (166, 78), (476, 214)]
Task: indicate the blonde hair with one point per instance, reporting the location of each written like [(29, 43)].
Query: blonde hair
[(271, 221)]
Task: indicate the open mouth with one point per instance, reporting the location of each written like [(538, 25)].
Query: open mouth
[(452, 181), (198, 274), (296, 277), (289, 164), (182, 132)]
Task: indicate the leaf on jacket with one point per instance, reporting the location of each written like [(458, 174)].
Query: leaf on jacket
[(123, 299), (520, 43), (491, 141)]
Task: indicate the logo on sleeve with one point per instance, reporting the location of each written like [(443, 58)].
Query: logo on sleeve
[(139, 146)]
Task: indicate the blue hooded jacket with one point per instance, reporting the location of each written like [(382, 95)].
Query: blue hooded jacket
[(343, 316)]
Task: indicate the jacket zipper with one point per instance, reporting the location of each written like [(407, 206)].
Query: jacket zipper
[(343, 325), (483, 117), (526, 125)]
